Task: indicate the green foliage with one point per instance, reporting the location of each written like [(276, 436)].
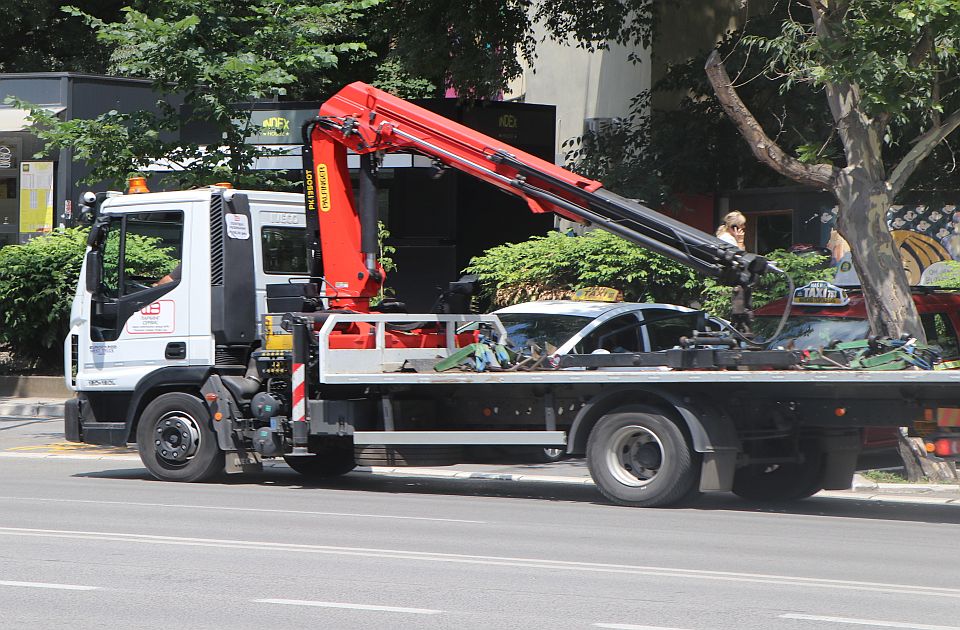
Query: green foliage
[(552, 266), (38, 281), (48, 40), (211, 55), (478, 46), (896, 53), (802, 268)]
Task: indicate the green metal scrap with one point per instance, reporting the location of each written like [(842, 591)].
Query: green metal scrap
[(478, 357), (876, 353)]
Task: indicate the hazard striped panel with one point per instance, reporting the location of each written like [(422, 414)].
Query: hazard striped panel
[(299, 404)]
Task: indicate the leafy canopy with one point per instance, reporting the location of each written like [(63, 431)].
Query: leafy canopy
[(209, 56)]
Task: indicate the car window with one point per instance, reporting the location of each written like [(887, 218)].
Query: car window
[(940, 332), (620, 334), (542, 328), (810, 332), (665, 327)]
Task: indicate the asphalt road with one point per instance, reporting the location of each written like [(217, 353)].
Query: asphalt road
[(99, 544)]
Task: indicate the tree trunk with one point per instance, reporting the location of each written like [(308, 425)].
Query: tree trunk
[(917, 466), (862, 221)]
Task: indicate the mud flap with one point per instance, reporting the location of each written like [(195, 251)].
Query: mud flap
[(223, 411), (840, 459)]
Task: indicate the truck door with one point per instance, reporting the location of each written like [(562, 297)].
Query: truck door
[(136, 319)]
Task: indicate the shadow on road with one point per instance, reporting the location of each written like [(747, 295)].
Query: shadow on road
[(558, 492)]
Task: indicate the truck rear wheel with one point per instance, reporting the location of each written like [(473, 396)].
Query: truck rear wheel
[(332, 457), (642, 459), (176, 441), (789, 481)]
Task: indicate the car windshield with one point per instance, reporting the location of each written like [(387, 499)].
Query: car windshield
[(810, 332), (543, 328)]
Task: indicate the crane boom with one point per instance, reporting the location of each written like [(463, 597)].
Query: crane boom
[(369, 122)]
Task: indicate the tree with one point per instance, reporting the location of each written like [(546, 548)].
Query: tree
[(475, 46), (212, 55), (885, 69), (49, 40)]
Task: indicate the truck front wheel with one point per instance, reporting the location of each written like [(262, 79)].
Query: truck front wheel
[(176, 441), (641, 459)]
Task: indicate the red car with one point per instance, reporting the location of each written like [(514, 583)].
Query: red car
[(822, 313)]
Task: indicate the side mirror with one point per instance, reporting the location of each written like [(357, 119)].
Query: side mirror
[(94, 264), (98, 231)]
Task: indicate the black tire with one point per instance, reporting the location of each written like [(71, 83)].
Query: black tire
[(781, 482), (642, 458), (176, 440), (333, 457)]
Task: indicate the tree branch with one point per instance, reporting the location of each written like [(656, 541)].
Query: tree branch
[(920, 150), (765, 149)]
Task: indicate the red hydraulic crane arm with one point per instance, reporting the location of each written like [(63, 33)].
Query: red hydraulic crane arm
[(369, 121)]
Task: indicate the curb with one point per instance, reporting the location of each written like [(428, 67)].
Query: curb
[(946, 490), (53, 387), (31, 409)]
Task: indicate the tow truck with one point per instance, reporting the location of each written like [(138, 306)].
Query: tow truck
[(229, 366)]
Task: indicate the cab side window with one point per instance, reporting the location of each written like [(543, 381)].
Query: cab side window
[(152, 243), (284, 249), (940, 332)]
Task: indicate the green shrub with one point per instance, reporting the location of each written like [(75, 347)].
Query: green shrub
[(553, 266), (37, 283)]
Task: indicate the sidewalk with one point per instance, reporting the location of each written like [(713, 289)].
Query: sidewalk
[(573, 471)]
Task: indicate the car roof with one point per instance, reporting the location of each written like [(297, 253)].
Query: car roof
[(927, 301), (582, 308)]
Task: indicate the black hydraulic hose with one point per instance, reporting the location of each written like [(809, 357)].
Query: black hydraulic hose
[(787, 308)]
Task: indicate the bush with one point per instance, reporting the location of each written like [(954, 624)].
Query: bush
[(553, 266), (37, 283)]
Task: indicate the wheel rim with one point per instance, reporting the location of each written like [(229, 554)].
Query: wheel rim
[(177, 437), (635, 456)]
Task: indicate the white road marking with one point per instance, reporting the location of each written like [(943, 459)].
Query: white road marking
[(396, 609), (536, 563), (868, 622), (62, 587), (242, 509), (629, 626)]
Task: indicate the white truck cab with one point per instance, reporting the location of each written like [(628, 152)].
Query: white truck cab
[(132, 321)]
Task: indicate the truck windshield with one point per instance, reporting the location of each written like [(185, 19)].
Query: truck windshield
[(542, 328), (810, 332)]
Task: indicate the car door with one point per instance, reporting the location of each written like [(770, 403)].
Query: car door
[(138, 316)]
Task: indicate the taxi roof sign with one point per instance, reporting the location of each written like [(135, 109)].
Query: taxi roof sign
[(820, 293), (598, 294)]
